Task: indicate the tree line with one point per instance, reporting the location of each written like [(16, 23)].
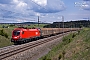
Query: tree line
[(70, 24)]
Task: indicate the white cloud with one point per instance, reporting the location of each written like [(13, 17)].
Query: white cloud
[(19, 3), (52, 6), (40, 2), (19, 6), (37, 14), (40, 6), (85, 5), (26, 8)]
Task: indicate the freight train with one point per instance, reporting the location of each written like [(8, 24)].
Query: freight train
[(20, 35)]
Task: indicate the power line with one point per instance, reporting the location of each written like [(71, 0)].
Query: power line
[(10, 18), (39, 5)]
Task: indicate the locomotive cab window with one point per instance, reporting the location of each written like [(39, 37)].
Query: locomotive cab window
[(16, 32)]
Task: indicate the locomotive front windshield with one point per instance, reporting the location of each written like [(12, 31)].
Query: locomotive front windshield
[(16, 32)]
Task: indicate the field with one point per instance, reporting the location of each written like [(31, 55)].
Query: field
[(6, 41), (75, 46)]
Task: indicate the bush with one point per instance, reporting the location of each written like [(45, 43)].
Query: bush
[(68, 39), (60, 56), (73, 35), (11, 25), (2, 33), (6, 35)]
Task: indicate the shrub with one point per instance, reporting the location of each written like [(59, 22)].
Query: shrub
[(73, 35), (11, 25), (2, 33), (6, 35), (60, 56)]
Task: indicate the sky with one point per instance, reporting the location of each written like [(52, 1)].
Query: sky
[(16, 11)]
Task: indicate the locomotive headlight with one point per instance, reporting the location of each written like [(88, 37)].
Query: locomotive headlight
[(15, 37)]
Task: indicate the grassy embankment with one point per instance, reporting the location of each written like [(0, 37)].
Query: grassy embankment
[(5, 33), (5, 41), (74, 47)]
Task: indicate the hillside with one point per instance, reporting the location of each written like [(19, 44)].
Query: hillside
[(5, 37), (74, 47)]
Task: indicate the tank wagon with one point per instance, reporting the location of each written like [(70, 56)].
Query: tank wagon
[(25, 34)]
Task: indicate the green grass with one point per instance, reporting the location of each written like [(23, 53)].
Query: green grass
[(55, 50), (74, 47), (3, 40)]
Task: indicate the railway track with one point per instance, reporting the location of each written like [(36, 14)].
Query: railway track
[(17, 49)]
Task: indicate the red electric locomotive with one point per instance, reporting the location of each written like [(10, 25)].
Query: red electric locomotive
[(24, 34)]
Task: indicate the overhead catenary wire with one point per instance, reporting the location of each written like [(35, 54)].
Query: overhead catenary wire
[(11, 18)]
